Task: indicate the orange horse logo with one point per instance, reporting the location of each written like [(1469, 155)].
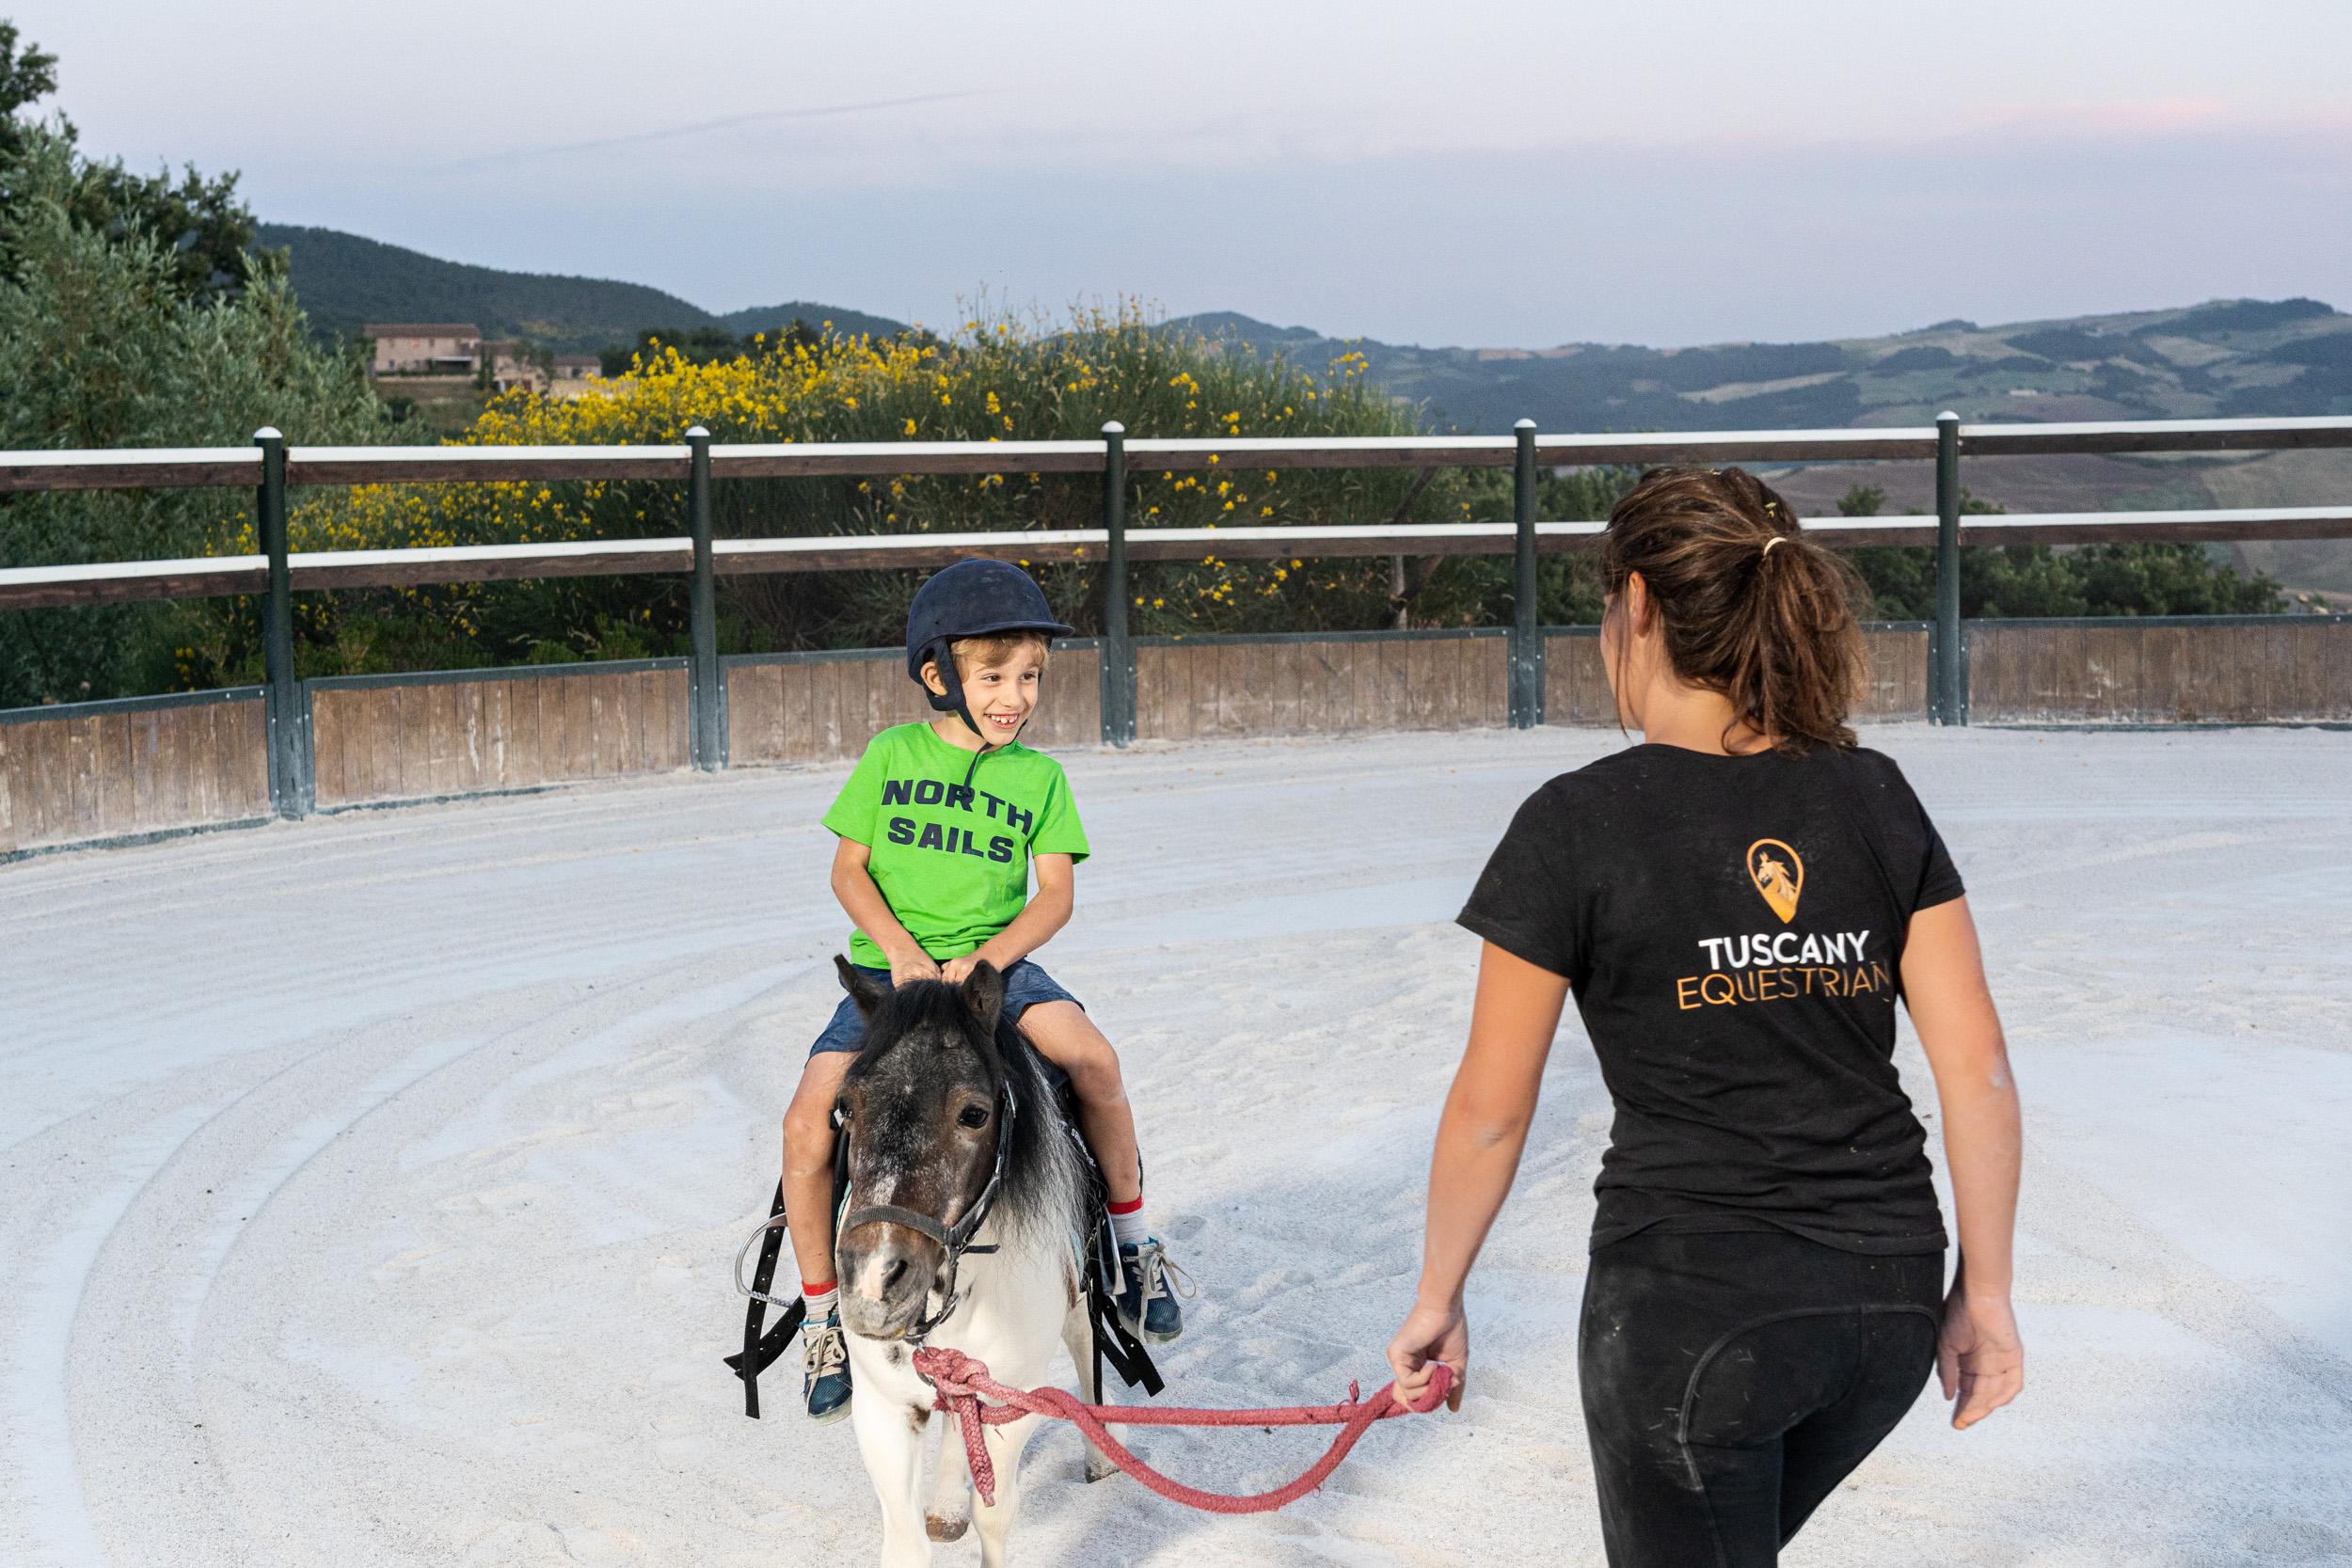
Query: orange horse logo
[(1778, 874)]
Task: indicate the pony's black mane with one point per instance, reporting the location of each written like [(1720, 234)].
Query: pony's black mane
[(1044, 1184)]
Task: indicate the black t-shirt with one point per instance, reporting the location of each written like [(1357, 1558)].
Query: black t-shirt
[(1732, 929)]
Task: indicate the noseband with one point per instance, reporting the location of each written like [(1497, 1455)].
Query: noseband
[(957, 1238)]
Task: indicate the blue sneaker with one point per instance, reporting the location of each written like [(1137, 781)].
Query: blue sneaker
[(825, 1369), (1149, 1284)]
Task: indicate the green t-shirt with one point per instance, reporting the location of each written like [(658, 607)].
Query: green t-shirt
[(950, 856)]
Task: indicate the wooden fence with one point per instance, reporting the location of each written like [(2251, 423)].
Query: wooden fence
[(1221, 687), (2174, 670), (395, 737), (111, 770), (123, 770), (114, 770), (1575, 688)]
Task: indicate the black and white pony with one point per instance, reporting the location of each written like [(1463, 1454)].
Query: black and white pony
[(966, 1192)]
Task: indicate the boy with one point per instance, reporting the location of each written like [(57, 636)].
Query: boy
[(937, 826)]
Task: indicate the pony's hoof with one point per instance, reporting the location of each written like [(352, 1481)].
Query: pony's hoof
[(1099, 1469), (944, 1529)]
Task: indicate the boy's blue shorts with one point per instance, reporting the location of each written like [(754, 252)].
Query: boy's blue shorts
[(1026, 986)]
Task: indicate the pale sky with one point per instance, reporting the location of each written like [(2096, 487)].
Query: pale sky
[(1662, 172)]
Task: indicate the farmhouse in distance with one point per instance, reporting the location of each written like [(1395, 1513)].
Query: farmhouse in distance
[(458, 349)]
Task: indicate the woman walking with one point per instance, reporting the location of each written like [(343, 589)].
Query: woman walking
[(1736, 903)]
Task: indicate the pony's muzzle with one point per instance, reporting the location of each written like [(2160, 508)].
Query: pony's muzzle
[(888, 1281)]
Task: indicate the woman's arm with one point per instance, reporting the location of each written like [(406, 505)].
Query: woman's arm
[(1479, 1141), (1982, 1361), (853, 884), (1039, 919)]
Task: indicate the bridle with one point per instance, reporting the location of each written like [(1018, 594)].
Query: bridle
[(954, 1239)]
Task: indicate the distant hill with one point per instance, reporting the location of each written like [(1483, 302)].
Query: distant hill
[(2213, 360), (346, 281), (2222, 358)]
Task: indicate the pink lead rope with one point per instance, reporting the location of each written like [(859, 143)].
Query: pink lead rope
[(962, 1383)]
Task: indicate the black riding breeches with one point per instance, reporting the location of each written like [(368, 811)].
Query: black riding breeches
[(1731, 1380)]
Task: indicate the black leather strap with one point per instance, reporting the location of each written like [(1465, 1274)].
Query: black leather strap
[(890, 1213), (1122, 1350), (760, 1349)]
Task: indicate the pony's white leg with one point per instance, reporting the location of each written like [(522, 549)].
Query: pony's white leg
[(1077, 1333), (892, 1446), (949, 1513), (1005, 1444)]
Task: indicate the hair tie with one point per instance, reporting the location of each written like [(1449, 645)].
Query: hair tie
[(1775, 539)]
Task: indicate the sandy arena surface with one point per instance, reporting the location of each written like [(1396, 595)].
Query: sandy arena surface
[(372, 1183)]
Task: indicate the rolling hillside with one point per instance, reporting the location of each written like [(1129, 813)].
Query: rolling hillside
[(346, 281), (2222, 358)]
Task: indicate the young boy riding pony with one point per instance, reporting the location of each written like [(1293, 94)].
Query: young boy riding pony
[(939, 826)]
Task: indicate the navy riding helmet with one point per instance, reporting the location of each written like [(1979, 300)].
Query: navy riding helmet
[(970, 598)]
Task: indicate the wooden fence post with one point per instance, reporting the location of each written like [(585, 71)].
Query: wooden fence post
[(287, 712), (709, 740)]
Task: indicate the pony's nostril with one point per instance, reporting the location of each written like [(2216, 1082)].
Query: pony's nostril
[(893, 1273)]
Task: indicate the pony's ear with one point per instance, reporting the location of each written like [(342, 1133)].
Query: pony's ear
[(866, 991), (984, 995)]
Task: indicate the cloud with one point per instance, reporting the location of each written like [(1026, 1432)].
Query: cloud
[(703, 127)]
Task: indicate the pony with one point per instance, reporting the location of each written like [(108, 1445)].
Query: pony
[(966, 1192)]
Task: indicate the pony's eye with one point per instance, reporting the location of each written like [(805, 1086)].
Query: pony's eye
[(974, 1116)]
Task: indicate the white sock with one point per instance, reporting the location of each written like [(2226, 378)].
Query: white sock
[(820, 1306), (1130, 1229)]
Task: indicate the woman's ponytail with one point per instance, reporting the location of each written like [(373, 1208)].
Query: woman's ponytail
[(1748, 605)]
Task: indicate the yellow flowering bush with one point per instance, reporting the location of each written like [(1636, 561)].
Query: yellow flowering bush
[(995, 380)]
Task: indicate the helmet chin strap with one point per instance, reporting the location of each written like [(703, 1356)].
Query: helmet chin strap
[(951, 700)]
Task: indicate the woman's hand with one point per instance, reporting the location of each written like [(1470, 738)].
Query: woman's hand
[(1980, 1359), (912, 963), (956, 971), (1430, 1334)]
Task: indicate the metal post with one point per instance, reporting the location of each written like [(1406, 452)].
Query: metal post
[(290, 791), (1951, 702), (1527, 642), (709, 723), (1119, 653)]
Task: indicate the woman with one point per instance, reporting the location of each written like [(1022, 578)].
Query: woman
[(1736, 903)]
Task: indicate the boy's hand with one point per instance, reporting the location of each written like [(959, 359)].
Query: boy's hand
[(956, 971), (912, 964)]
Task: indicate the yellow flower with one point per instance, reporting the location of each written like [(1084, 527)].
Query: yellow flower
[(910, 427)]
